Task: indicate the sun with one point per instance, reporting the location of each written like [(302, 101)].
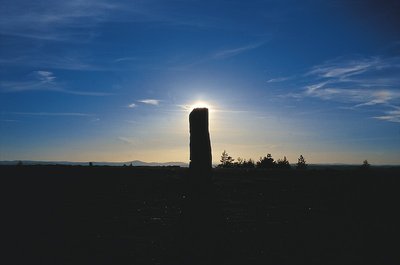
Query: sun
[(200, 104)]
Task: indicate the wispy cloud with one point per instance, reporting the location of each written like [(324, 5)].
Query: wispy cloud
[(279, 79), (366, 81), (53, 20), (85, 93), (78, 114), (76, 20), (363, 82), (342, 70), (124, 59), (380, 97), (56, 22), (154, 102), (310, 89), (359, 97), (43, 81), (218, 55), (45, 76), (52, 61), (125, 140), (393, 116), (132, 105), (236, 51)]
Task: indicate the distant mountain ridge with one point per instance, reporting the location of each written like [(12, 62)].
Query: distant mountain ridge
[(135, 163)]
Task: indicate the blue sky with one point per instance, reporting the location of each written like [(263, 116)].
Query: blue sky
[(115, 80)]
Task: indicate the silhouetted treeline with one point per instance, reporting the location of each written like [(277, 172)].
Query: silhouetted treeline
[(264, 162), (268, 162), (228, 162)]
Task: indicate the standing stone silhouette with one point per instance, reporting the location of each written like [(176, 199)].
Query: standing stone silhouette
[(201, 218), (200, 145)]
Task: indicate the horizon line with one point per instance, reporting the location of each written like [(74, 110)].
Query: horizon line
[(180, 162)]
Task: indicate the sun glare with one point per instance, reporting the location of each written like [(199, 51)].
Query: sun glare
[(200, 104)]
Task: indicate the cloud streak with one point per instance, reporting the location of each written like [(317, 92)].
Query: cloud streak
[(53, 20), (279, 79), (366, 81), (125, 59), (343, 70), (76, 20), (392, 116), (363, 82), (125, 140), (236, 51), (43, 60), (154, 102), (76, 114), (45, 76), (43, 81)]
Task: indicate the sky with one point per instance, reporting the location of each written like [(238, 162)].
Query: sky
[(98, 80)]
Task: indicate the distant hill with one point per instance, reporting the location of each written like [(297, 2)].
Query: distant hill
[(134, 163), (138, 163)]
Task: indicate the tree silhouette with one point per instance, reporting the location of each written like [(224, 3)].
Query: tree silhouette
[(283, 163), (248, 164), (266, 162), (226, 160), (301, 163), (243, 163), (239, 162), (365, 165)]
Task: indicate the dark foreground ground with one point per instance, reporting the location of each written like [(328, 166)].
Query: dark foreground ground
[(127, 215)]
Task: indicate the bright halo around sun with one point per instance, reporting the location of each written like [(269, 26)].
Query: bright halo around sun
[(201, 104)]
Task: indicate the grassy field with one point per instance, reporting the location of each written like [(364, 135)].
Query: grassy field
[(145, 215)]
